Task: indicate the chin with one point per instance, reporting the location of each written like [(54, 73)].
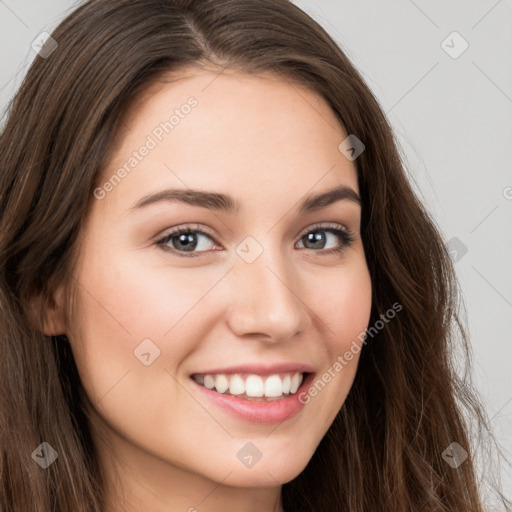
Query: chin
[(270, 471)]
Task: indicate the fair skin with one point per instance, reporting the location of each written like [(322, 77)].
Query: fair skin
[(268, 144)]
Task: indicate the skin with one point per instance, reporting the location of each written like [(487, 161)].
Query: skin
[(268, 144)]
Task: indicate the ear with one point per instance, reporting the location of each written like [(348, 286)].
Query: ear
[(54, 320), (50, 317)]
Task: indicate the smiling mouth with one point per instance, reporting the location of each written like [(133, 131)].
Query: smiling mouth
[(278, 386)]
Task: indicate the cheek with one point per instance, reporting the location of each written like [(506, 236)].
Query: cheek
[(124, 304), (343, 305), (124, 310), (342, 300), (137, 297)]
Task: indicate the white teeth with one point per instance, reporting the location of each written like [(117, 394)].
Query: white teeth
[(286, 384), (209, 381), (221, 383), (296, 382), (236, 385), (273, 386), (253, 386)]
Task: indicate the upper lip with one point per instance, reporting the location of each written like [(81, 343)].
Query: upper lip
[(260, 369)]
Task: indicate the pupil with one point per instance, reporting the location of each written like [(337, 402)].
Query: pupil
[(184, 239), (316, 237)]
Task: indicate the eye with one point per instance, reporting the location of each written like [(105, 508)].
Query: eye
[(185, 240), (314, 236)]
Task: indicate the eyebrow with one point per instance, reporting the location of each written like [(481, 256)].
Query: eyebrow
[(224, 203)]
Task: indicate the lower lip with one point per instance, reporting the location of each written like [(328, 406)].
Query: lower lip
[(258, 411)]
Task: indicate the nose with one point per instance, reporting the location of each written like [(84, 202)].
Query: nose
[(266, 299)]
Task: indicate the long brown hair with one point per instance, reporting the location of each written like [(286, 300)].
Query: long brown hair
[(407, 403)]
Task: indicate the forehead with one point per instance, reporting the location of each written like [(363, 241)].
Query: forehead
[(249, 134)]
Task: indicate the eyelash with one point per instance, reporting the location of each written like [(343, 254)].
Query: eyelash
[(343, 233)]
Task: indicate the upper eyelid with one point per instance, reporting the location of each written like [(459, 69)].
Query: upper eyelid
[(187, 228), (325, 225)]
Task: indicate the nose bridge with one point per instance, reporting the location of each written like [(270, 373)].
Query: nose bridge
[(264, 296)]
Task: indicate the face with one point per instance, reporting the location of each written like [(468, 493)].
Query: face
[(263, 290)]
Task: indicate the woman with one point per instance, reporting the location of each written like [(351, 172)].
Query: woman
[(219, 291)]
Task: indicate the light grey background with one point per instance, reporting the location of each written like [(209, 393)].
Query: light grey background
[(453, 118)]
